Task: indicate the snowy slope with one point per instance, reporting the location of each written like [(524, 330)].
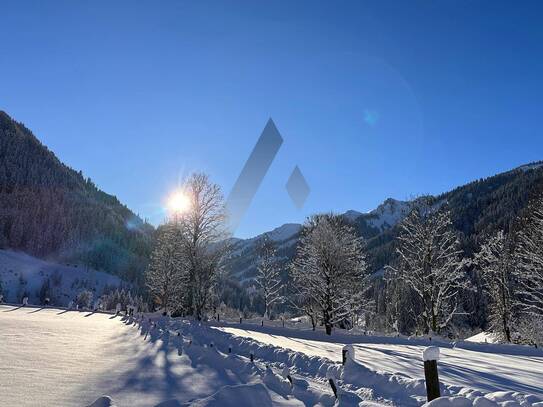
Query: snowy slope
[(486, 368), (20, 273)]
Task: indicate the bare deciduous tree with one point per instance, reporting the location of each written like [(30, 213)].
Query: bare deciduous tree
[(529, 254), (268, 277), (167, 273), (430, 265), (329, 268), (203, 230), (496, 262)]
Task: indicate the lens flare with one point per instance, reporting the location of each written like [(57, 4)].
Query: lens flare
[(178, 202)]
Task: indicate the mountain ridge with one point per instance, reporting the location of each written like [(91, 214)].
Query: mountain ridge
[(478, 208), (50, 210)]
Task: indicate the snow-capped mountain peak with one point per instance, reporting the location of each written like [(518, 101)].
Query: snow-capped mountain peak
[(389, 214)]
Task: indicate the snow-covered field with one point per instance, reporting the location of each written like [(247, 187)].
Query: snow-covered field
[(53, 357), (487, 369)]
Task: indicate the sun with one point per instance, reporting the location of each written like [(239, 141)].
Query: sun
[(178, 202)]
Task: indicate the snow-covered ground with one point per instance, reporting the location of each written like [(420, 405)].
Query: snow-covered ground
[(484, 367), (53, 357)]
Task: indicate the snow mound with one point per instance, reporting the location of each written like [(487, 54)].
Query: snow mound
[(470, 398), (430, 353), (104, 401), (246, 395), (483, 337)]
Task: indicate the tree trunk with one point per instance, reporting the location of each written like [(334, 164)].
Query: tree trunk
[(328, 329), (434, 321), (313, 323), (506, 329)]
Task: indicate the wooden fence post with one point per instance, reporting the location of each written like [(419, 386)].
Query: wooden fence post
[(286, 374), (430, 357), (333, 386), (179, 344), (347, 353)]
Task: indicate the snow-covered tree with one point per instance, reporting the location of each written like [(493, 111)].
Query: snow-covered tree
[(203, 232), (167, 273), (45, 291), (329, 269), (530, 329), (268, 277), (496, 263), (430, 265), (84, 299), (401, 308), (529, 253)]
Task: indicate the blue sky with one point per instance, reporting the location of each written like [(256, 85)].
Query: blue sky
[(373, 99)]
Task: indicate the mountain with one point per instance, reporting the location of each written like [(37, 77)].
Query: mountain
[(242, 260), (478, 209), (49, 210)]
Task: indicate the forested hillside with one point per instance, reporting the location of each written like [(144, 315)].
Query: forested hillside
[(51, 211), (478, 209)]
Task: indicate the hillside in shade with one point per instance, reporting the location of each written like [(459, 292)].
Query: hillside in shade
[(51, 211)]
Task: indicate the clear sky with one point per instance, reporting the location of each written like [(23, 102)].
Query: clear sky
[(374, 99)]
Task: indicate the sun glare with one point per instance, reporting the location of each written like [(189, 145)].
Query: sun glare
[(178, 202)]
